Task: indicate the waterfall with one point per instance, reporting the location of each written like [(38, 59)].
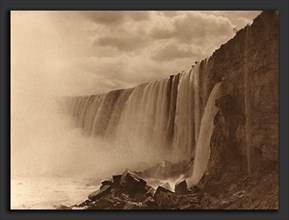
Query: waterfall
[(187, 122), (144, 121), (202, 153), (164, 117)]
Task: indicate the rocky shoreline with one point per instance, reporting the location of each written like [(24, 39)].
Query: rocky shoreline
[(131, 191)]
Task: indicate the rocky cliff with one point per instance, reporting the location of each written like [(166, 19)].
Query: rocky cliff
[(244, 144)]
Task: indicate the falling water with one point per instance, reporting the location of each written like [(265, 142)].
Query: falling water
[(163, 117), (143, 122), (202, 154), (187, 122), (184, 129)]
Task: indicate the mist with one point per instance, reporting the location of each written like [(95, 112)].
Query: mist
[(43, 143)]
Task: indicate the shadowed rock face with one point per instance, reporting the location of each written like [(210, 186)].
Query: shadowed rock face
[(244, 138)]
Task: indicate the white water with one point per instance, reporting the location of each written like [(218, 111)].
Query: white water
[(48, 192), (139, 119), (143, 122), (202, 154)]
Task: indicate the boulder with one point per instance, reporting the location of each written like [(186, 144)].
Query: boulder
[(85, 203), (209, 201), (63, 207), (181, 187), (188, 201), (164, 198), (149, 203), (105, 190), (116, 180), (106, 183), (149, 191), (132, 182), (102, 203), (167, 186)]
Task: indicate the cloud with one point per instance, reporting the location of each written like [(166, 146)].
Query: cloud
[(193, 26), (88, 52), (104, 17), (139, 15), (238, 18), (115, 17), (190, 28), (172, 52), (122, 43)]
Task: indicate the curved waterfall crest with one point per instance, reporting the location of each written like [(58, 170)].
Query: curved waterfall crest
[(164, 117)]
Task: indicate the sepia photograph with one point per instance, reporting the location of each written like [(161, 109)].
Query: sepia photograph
[(144, 110)]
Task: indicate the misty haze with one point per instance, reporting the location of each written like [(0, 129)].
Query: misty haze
[(144, 110)]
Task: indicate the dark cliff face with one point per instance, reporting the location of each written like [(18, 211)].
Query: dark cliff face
[(245, 138), (253, 52)]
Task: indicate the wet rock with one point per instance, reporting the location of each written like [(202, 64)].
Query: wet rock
[(167, 186), (181, 188), (125, 202), (116, 180), (132, 182), (194, 189), (150, 203), (85, 203), (78, 208), (139, 197), (149, 191), (103, 203), (190, 201), (225, 204), (209, 201), (164, 198), (105, 190), (106, 183), (130, 205), (63, 207)]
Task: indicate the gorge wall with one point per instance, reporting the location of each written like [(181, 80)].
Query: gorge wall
[(222, 112)]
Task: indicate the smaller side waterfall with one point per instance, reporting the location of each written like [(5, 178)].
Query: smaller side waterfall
[(202, 154)]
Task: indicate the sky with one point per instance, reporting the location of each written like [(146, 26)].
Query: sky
[(89, 52)]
